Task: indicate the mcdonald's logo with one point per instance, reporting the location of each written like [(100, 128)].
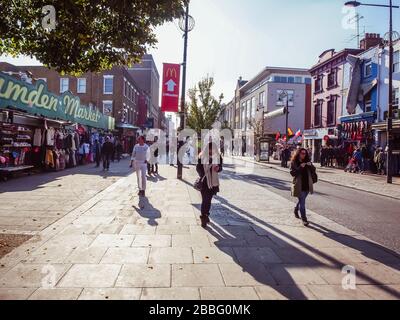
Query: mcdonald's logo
[(171, 73)]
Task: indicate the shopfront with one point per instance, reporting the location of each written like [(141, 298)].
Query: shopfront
[(41, 130), (381, 137), (315, 139)]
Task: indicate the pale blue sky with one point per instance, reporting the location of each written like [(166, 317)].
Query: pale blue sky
[(235, 38)]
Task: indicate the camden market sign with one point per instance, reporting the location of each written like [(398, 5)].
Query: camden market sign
[(37, 100)]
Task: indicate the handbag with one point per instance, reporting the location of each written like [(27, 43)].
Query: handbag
[(314, 176), (198, 184)]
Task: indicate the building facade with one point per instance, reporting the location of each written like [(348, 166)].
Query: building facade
[(146, 75), (327, 99), (262, 96)]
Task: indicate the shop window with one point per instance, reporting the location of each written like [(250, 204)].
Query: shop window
[(81, 85), (318, 115), (108, 84), (331, 112), (64, 85)]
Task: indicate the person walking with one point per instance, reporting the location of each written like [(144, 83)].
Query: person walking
[(364, 159), (304, 176), (140, 158), (107, 152), (97, 152), (208, 167)]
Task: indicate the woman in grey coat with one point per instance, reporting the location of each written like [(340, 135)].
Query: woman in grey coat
[(304, 176)]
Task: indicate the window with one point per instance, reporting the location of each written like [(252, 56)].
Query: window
[(262, 99), (368, 69), (318, 114), (243, 117), (124, 89), (108, 84), (291, 79), (307, 80), (281, 79), (281, 99), (318, 84), (81, 85), (253, 107), (64, 85), (396, 97), (396, 61), (332, 78), (331, 116), (298, 79), (248, 109), (108, 108)]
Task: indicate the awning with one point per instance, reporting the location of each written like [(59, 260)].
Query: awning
[(126, 126), (366, 116)]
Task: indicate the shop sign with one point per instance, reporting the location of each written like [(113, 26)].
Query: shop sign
[(37, 100)]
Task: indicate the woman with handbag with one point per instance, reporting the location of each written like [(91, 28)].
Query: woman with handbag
[(304, 176), (208, 167)]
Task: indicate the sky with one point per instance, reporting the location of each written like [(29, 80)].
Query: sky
[(235, 38)]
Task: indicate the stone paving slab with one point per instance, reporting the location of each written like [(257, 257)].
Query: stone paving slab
[(115, 246)]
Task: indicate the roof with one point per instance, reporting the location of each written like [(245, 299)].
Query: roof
[(334, 56), (269, 70)]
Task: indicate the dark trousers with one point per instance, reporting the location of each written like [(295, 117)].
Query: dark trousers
[(206, 196), (106, 161), (98, 158)]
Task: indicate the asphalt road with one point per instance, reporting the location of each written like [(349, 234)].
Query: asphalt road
[(376, 217)]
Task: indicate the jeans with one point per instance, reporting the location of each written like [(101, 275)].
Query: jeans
[(364, 164), (301, 205)]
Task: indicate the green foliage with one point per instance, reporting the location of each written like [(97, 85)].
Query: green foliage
[(203, 109), (90, 35)]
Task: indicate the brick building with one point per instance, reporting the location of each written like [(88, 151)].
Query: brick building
[(113, 92)]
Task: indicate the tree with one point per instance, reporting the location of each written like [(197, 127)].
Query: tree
[(203, 109), (89, 35)]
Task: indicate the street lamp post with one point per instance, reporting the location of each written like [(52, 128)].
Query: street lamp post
[(186, 24), (390, 106), (285, 94)]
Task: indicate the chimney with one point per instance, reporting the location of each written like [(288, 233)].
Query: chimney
[(370, 40)]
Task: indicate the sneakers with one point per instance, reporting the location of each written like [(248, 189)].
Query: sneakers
[(306, 223)]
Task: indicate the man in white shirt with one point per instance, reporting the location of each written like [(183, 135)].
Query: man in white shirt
[(140, 157)]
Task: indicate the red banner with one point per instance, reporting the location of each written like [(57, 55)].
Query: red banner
[(170, 89)]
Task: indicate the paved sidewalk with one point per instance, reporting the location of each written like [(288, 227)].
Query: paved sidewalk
[(30, 204), (369, 183), (114, 246)]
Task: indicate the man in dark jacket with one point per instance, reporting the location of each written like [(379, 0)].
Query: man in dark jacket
[(107, 152)]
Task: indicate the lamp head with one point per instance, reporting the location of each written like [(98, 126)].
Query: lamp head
[(352, 4)]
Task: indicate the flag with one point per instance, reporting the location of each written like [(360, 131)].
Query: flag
[(290, 132), (284, 138), (298, 133), (278, 135)]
